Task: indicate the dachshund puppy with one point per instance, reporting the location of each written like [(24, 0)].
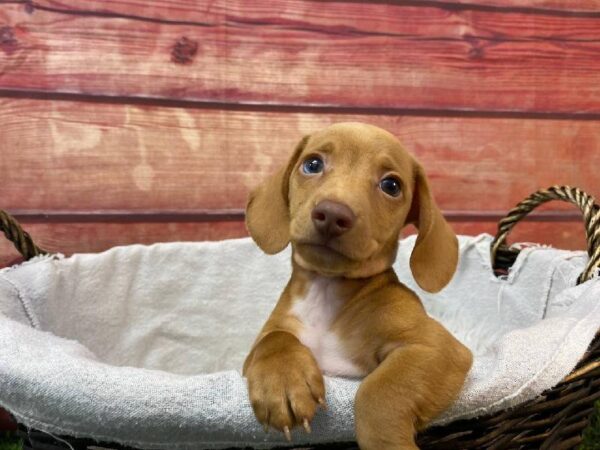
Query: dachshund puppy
[(341, 201)]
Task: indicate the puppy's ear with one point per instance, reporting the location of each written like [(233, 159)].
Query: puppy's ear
[(267, 210), (435, 256)]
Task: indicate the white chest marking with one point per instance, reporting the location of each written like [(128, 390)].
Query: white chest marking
[(317, 311)]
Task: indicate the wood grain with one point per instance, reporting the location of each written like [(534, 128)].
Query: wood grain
[(201, 11), (568, 236), (339, 54), (567, 7), (73, 156), (68, 238), (95, 237)]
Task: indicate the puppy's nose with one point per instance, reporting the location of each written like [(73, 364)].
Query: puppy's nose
[(332, 219)]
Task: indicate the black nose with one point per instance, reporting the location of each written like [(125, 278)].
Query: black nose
[(332, 219)]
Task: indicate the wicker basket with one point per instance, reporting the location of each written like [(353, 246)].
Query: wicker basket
[(555, 420)]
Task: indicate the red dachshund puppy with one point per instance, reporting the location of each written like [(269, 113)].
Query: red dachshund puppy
[(341, 201)]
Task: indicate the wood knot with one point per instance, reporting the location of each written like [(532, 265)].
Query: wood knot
[(8, 41), (7, 35), (476, 50), (184, 51), (476, 53), (29, 8)]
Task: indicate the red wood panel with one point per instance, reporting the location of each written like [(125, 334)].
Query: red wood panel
[(203, 10), (568, 236), (7, 422), (61, 155), (350, 54), (71, 238), (68, 238), (590, 7)]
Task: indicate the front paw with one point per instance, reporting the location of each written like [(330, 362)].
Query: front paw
[(285, 383)]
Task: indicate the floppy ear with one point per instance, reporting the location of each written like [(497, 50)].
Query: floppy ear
[(267, 210), (435, 256)]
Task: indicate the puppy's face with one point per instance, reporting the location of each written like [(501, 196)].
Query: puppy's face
[(350, 192), (342, 200)]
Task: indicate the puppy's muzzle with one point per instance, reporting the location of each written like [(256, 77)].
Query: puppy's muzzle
[(332, 219)]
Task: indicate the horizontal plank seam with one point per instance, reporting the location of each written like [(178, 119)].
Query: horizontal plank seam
[(354, 32), (455, 6), (293, 108), (103, 14), (449, 6), (235, 215), (328, 31)]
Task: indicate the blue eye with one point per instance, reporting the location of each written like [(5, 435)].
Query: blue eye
[(312, 165), (391, 186)]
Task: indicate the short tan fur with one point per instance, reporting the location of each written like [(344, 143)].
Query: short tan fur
[(344, 228)]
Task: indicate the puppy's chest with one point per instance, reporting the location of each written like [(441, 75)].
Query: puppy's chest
[(317, 310)]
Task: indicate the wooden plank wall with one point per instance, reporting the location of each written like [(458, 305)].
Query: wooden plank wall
[(124, 121)]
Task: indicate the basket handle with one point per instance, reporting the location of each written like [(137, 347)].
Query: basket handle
[(591, 217), (21, 239)]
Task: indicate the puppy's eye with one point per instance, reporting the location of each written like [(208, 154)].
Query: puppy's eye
[(312, 165), (391, 186)]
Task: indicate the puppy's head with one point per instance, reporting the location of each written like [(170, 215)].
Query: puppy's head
[(343, 198)]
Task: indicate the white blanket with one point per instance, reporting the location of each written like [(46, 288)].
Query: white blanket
[(143, 345)]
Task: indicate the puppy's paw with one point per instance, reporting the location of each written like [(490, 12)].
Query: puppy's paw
[(285, 383)]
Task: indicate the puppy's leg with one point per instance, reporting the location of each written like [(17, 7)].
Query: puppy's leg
[(412, 385), (284, 381)]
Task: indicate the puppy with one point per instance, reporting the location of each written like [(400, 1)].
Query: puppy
[(342, 200)]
